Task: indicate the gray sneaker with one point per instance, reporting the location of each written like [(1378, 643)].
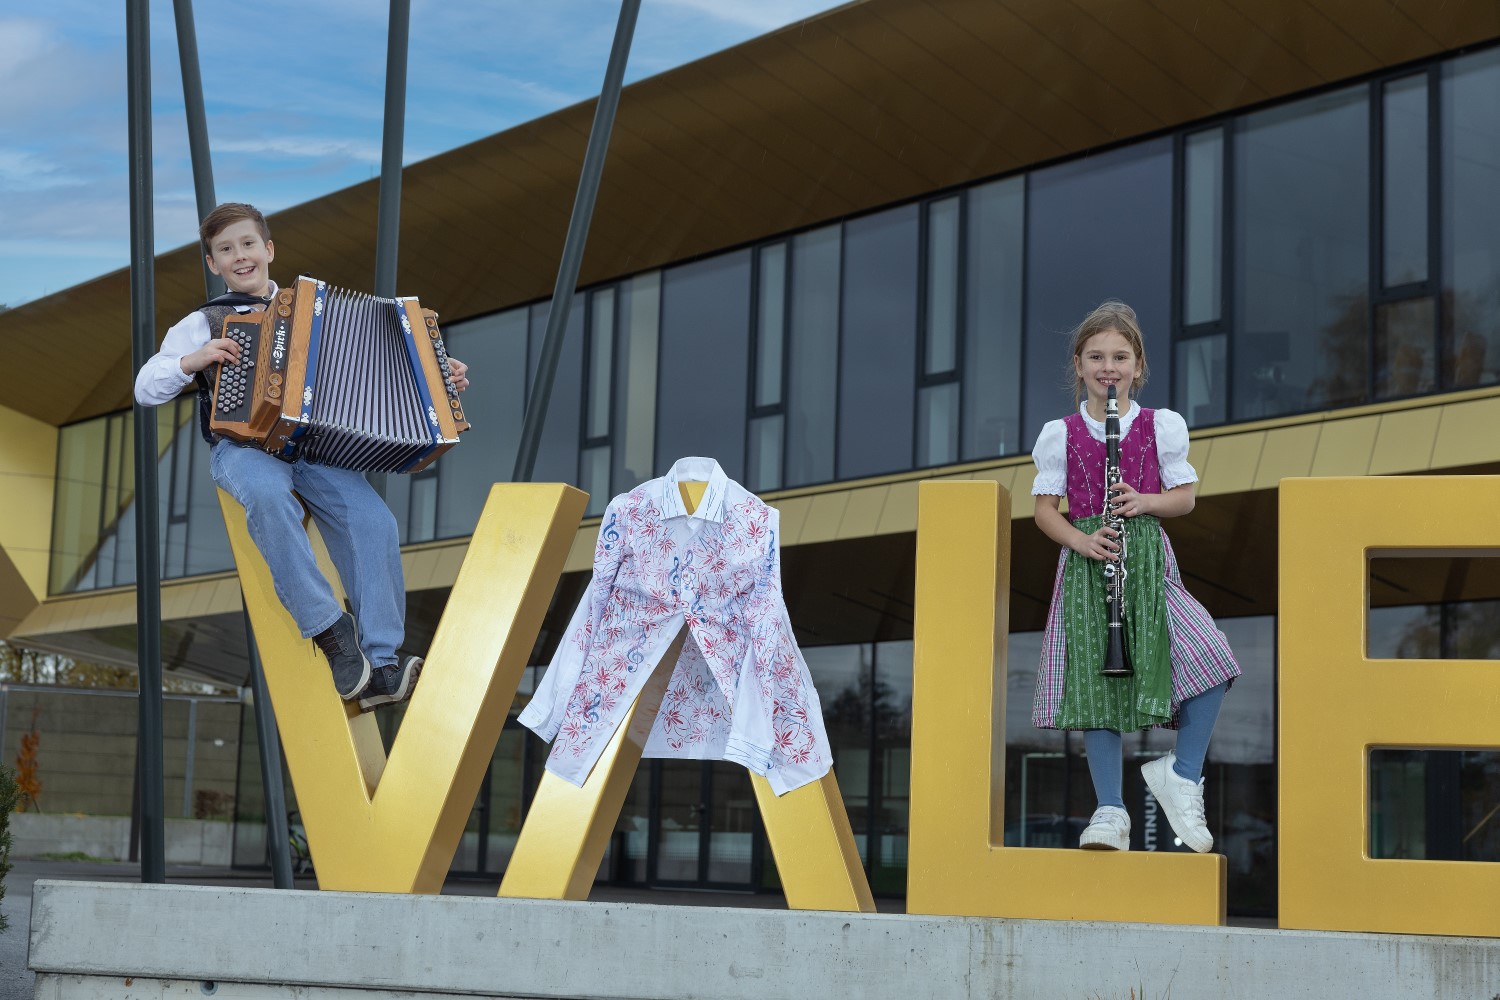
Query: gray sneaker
[(1108, 830), (391, 683), (1181, 800), (340, 643)]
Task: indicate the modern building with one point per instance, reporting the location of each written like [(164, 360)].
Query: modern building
[(843, 258)]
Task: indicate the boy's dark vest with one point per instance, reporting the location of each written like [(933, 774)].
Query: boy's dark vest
[(215, 310)]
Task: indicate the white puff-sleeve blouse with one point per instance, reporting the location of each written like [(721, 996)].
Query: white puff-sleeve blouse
[(1051, 451)]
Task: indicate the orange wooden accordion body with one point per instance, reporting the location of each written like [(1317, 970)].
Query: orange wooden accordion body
[(341, 378)]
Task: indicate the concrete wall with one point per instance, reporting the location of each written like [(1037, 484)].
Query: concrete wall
[(87, 939), (188, 841), (86, 758)]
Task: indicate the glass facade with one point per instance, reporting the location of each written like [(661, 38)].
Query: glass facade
[(1322, 252), (1319, 253)]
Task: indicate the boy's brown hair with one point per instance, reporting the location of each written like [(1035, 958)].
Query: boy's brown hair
[(227, 215)]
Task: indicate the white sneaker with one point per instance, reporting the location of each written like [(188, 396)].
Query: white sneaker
[(1181, 800), (1108, 830)]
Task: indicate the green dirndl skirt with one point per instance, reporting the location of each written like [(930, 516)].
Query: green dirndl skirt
[(1125, 704)]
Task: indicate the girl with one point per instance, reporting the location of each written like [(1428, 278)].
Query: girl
[(1181, 660)]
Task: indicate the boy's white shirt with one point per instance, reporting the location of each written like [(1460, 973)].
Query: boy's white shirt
[(161, 379)]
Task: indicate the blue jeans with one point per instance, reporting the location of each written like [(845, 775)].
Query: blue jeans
[(356, 525)]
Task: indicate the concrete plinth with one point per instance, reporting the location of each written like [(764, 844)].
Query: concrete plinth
[(93, 940)]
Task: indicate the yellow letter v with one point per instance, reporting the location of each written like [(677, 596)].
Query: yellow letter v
[(393, 825)]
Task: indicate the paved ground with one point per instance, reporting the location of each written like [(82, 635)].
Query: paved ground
[(16, 980)]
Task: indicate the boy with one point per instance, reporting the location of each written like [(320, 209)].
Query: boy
[(354, 521)]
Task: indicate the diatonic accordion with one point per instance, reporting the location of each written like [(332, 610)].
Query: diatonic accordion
[(340, 378)]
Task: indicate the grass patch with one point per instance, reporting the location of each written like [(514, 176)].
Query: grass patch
[(73, 856)]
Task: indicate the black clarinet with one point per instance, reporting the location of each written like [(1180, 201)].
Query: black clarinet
[(1116, 661)]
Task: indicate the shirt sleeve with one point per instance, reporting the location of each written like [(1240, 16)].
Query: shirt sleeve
[(1172, 450), (545, 714), (161, 379), (1051, 458)]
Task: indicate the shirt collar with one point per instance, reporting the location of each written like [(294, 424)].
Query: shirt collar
[(695, 470), (1097, 426), (269, 299)]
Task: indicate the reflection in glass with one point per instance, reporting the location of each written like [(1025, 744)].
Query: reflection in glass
[(93, 521), (994, 284), (1202, 226), (1464, 630), (494, 347), (1404, 337), (601, 363), (891, 814), (1435, 805), (1097, 228), (1404, 193), (765, 453), (635, 382), (812, 372), (937, 424), (1200, 394), (626, 860), (733, 817), (557, 458), (705, 360), (422, 514), (681, 820), (770, 317), (593, 478), (942, 286), (1470, 123), (843, 677), (1302, 255), (878, 356)]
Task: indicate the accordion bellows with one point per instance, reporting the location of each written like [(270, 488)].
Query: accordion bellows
[(340, 378)]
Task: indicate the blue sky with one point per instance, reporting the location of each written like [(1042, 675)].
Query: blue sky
[(295, 95)]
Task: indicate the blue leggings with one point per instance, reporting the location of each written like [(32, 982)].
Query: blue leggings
[(1196, 718)]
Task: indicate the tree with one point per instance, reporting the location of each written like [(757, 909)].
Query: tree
[(8, 795), (32, 666)]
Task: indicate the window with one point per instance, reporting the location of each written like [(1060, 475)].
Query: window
[(705, 340), (878, 344), (994, 285), (1097, 228), (1471, 219), (1301, 256)]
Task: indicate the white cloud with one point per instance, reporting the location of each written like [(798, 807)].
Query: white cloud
[(295, 119)]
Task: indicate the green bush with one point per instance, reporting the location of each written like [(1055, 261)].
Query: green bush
[(9, 792)]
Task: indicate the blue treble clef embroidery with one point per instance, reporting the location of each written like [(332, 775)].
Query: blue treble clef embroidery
[(592, 711), (636, 658), (771, 553), (610, 533), (675, 577)]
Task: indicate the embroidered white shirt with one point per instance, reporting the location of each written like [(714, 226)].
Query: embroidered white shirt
[(1051, 451), (740, 690), (161, 379)]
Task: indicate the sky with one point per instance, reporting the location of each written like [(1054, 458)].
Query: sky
[(295, 94)]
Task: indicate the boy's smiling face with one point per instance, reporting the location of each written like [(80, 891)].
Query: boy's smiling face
[(242, 258)]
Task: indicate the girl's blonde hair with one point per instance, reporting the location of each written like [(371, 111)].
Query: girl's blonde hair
[(1112, 315)]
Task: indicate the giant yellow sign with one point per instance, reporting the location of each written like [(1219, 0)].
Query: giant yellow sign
[(1337, 703), (393, 825)]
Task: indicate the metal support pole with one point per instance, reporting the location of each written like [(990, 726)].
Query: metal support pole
[(197, 125), (278, 834), (147, 499), (388, 220), (572, 255)]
